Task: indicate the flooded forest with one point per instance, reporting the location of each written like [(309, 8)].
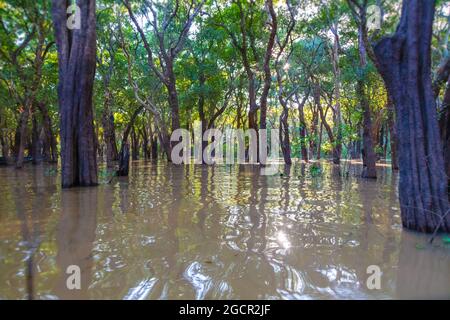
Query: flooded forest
[(224, 149)]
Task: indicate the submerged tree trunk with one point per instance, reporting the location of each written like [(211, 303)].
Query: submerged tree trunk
[(201, 111), (392, 134), (35, 141), (50, 151), (303, 127), (153, 152), (369, 156), (125, 147), (145, 142), (314, 135), (154, 148), (337, 117), (124, 160), (405, 64), (319, 145), (76, 58), (134, 145), (109, 135), (21, 136), (284, 133)]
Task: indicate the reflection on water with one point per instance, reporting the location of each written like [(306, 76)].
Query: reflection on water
[(226, 232)]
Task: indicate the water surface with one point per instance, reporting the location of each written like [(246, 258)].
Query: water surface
[(204, 232)]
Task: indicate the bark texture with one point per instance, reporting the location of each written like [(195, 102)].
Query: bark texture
[(76, 58), (405, 64)]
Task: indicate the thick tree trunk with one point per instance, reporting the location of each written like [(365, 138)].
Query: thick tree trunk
[(405, 64), (76, 57), (445, 130)]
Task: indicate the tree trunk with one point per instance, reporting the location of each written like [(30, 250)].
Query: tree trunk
[(369, 156), (125, 147), (323, 118), (303, 128), (314, 136), (357, 152), (201, 112), (109, 134), (5, 148), (392, 134), (154, 148), (50, 153), (284, 134), (405, 64), (319, 145), (124, 160), (153, 152), (76, 59), (266, 66), (134, 145), (445, 131), (21, 136), (337, 117), (173, 98), (35, 141), (145, 149)]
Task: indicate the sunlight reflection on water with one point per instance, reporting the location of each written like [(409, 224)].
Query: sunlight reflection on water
[(225, 232)]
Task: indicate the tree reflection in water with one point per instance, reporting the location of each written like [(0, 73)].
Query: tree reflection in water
[(214, 232)]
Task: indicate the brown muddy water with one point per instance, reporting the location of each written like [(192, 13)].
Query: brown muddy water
[(203, 232)]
